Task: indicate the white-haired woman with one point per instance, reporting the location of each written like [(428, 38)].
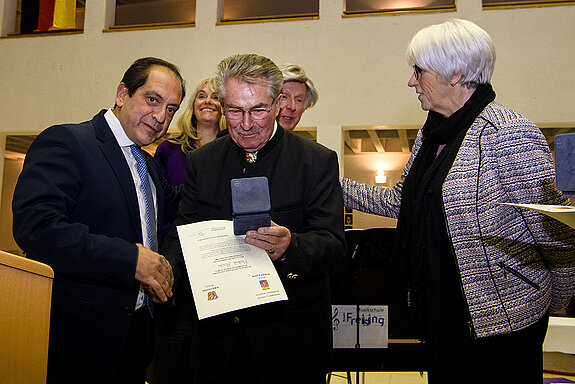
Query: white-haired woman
[(481, 276), (298, 94)]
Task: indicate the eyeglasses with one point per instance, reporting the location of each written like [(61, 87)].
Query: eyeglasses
[(418, 71), (238, 113)]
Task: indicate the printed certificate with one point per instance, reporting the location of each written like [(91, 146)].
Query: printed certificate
[(225, 273)]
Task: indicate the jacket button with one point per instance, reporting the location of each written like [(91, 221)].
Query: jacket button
[(292, 276), (236, 320)]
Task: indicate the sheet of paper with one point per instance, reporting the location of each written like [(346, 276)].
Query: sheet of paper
[(563, 213), (225, 273)]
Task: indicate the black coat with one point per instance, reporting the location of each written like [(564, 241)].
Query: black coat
[(285, 338), (75, 208)]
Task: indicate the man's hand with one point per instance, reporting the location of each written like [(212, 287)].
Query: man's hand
[(274, 239), (155, 273)]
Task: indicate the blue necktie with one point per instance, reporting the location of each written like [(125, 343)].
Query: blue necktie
[(150, 211), (148, 198)]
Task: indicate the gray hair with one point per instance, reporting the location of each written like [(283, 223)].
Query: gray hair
[(454, 47), (292, 72), (252, 69)]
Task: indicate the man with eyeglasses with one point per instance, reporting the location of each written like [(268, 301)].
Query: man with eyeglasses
[(282, 342)]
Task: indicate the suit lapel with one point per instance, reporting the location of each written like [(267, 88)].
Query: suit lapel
[(115, 157)]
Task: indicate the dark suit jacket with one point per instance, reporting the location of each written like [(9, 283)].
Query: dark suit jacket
[(285, 338), (75, 208)]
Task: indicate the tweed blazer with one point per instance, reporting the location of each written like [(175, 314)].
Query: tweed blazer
[(514, 264)]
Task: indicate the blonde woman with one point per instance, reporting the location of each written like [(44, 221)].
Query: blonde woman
[(200, 123)]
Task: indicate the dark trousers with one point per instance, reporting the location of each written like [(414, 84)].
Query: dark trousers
[(137, 352), (240, 368), (173, 343), (516, 357), (243, 369)]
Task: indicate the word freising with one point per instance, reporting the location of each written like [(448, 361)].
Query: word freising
[(352, 319)]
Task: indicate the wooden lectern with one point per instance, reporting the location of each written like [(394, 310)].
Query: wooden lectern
[(25, 297)]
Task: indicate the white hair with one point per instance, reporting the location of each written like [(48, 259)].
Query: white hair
[(454, 47), (292, 72)]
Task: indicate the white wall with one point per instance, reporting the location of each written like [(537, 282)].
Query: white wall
[(358, 64)]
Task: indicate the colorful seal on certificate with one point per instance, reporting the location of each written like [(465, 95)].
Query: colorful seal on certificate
[(264, 284)]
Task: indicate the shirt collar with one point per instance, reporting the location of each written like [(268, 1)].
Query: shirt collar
[(117, 129), (274, 139)]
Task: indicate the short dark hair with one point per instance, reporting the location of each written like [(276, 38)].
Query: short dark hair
[(137, 74)]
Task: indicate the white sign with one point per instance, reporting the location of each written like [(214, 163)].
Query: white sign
[(373, 326), (225, 273)]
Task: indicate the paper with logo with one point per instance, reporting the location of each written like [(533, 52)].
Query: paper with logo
[(225, 273), (563, 213)]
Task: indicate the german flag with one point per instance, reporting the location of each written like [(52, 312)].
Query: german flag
[(47, 15)]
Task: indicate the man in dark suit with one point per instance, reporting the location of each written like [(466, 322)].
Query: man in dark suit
[(282, 342), (86, 205)]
